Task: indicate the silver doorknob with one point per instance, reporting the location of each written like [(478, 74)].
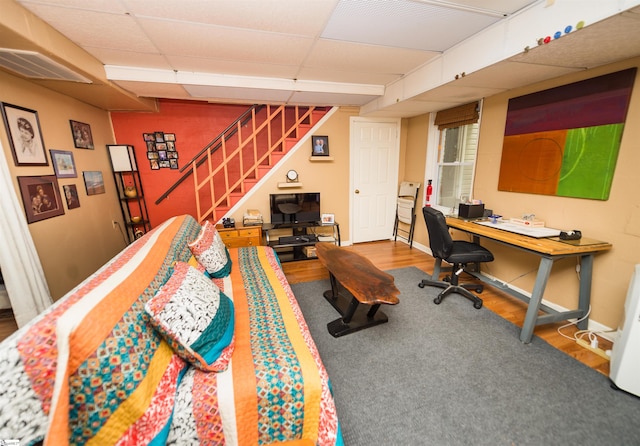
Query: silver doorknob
[(357, 191)]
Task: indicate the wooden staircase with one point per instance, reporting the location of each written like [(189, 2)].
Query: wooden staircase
[(235, 161)]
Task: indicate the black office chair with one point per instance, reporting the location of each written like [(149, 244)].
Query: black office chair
[(456, 252)]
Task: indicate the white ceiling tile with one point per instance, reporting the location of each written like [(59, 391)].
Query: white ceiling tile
[(235, 93), (348, 56), (403, 24), (94, 29), (232, 44), (299, 17), (130, 58)]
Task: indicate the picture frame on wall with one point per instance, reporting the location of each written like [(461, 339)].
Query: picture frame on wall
[(93, 182), (319, 146), (82, 137), (71, 195), (63, 163), (25, 135), (41, 197)]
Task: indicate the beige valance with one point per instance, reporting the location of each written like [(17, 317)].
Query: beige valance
[(457, 116)]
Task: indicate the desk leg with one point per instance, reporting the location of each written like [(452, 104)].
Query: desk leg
[(536, 299), (584, 298)]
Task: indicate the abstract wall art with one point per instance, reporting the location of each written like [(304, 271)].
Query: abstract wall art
[(565, 141)]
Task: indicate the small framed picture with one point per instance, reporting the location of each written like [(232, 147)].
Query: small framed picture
[(25, 136), (159, 136), (320, 146), (71, 195), (41, 197), (93, 182), (169, 136), (327, 219), (149, 137), (63, 164), (82, 138)]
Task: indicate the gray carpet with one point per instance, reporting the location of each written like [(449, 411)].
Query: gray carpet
[(452, 375)]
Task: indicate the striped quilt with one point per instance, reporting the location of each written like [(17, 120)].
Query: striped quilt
[(276, 388), (92, 370)]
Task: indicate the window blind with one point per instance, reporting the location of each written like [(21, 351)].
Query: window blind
[(458, 116)]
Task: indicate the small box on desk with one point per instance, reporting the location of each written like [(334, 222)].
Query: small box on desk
[(471, 210), (310, 251)]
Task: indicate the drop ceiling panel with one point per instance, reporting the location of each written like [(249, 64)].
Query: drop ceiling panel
[(348, 56), (349, 76), (261, 95), (155, 89), (231, 44), (403, 24), (314, 98), (93, 29), (610, 41), (299, 17), (130, 58)]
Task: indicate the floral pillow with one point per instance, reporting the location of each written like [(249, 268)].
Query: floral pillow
[(211, 251), (195, 318)]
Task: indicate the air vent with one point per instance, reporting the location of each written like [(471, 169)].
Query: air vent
[(36, 66)]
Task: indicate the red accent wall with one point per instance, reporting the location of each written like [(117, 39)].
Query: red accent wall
[(195, 125)]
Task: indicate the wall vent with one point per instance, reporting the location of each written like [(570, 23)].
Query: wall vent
[(37, 66)]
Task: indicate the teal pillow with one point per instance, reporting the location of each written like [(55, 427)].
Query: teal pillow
[(195, 318)]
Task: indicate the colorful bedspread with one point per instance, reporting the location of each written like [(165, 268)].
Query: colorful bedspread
[(91, 370), (276, 388)]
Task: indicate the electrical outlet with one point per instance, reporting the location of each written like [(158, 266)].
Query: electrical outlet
[(114, 224)]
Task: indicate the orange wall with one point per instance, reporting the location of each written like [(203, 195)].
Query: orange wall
[(195, 125)]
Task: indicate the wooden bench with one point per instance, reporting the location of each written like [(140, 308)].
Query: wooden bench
[(354, 274)]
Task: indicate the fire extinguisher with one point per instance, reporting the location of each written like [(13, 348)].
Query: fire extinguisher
[(429, 192)]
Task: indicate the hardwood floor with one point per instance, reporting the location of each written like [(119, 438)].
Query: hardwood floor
[(389, 255)]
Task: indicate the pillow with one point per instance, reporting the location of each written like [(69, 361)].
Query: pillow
[(211, 251), (195, 318)]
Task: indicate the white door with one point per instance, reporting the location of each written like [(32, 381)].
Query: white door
[(375, 152)]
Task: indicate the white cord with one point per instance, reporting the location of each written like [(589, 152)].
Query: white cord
[(575, 338)]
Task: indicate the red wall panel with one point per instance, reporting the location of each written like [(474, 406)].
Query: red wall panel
[(195, 125)]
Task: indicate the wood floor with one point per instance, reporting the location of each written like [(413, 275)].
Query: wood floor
[(389, 255)]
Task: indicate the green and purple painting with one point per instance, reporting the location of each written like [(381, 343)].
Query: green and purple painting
[(565, 141)]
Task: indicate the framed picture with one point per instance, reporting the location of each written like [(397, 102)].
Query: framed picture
[(63, 164), (149, 137), (25, 136), (41, 197), (71, 195), (320, 146), (327, 219), (93, 182), (170, 137), (82, 138)]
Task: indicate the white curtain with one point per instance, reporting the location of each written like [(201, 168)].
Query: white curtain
[(21, 267)]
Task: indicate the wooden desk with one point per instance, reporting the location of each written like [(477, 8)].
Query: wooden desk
[(549, 250), (360, 278)]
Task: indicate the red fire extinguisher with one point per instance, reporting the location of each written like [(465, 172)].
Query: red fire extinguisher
[(429, 192)]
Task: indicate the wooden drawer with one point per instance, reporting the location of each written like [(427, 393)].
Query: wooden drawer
[(238, 242)]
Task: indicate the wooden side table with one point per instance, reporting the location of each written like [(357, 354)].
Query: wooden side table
[(240, 236)]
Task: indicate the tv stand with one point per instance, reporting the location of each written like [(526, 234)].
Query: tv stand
[(296, 241)]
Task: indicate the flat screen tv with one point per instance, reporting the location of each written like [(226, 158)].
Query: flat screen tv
[(295, 208)]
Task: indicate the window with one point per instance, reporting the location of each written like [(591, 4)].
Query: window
[(456, 164), (451, 156)]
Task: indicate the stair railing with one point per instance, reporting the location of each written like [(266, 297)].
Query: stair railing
[(244, 152)]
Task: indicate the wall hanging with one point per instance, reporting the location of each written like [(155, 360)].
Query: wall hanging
[(565, 141)]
